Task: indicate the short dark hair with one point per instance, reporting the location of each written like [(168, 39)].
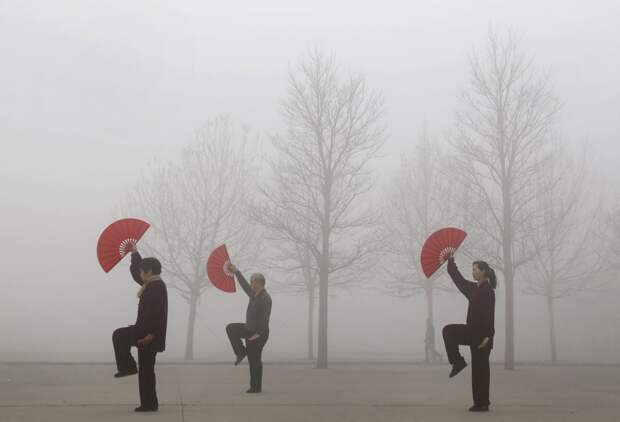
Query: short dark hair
[(151, 264)]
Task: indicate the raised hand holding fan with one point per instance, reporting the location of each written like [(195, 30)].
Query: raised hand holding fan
[(117, 240), (439, 247), (218, 270)]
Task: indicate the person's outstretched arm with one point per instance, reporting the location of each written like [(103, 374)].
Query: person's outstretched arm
[(464, 286), (134, 268), (242, 281)]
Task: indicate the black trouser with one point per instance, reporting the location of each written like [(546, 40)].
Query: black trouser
[(459, 334), (123, 339), (254, 350)]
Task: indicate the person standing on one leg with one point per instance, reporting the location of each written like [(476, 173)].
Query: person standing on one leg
[(148, 334), (477, 333), (255, 331)]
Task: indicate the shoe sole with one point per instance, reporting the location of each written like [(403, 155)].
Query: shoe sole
[(457, 372), (125, 375)]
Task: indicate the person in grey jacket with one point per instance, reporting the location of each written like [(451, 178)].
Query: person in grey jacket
[(255, 331)]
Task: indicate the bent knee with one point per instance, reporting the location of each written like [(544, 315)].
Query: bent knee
[(116, 334), (447, 329)]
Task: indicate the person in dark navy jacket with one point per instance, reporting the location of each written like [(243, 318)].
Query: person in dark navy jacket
[(477, 333), (148, 334)]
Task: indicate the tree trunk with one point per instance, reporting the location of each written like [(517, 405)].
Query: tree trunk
[(311, 324), (324, 278), (552, 339), (430, 316), (509, 279), (323, 295), (191, 321)]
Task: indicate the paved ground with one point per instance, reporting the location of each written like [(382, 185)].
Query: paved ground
[(51, 393)]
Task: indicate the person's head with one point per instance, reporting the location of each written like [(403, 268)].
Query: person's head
[(257, 282), (482, 271), (149, 267)]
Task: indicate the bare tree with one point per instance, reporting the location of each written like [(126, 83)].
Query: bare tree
[(417, 204), (501, 143), (295, 261), (567, 261), (196, 203), (333, 131)]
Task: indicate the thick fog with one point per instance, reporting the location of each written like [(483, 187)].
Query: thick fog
[(92, 93)]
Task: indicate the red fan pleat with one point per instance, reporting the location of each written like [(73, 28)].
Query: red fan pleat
[(217, 270), (115, 239), (438, 247)]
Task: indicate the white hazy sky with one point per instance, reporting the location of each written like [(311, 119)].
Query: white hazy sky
[(91, 90)]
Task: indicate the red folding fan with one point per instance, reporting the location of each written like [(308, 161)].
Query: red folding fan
[(218, 272), (115, 240), (438, 247)]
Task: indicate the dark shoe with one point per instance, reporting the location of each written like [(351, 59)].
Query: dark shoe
[(240, 358), (458, 367), (253, 391), (145, 409), (475, 408), (126, 373)]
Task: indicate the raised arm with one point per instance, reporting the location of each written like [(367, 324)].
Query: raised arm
[(464, 286), (134, 268), (244, 283)]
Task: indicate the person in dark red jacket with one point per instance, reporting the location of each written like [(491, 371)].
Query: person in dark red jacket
[(477, 333), (148, 334)]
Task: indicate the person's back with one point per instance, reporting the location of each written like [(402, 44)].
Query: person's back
[(153, 313), (258, 313)]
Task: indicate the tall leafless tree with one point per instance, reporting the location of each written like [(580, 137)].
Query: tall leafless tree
[(295, 262), (417, 203), (322, 171), (196, 203), (567, 260), (501, 143)]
